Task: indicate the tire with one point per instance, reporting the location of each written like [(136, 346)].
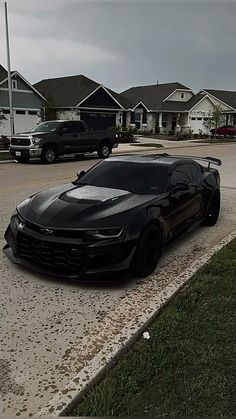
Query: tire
[(104, 150), (22, 159), (213, 210), (49, 155), (148, 251)]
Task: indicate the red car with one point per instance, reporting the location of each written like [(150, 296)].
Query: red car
[(225, 130)]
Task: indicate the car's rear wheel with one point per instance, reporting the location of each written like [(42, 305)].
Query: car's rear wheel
[(22, 159), (213, 210), (49, 155), (148, 251), (104, 150)]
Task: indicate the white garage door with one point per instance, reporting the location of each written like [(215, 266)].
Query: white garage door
[(197, 124), (23, 121)]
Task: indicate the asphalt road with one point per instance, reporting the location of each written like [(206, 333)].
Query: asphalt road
[(50, 328)]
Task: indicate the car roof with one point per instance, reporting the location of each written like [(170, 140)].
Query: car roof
[(163, 159)]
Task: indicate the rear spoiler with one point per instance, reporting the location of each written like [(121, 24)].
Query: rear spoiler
[(210, 160)]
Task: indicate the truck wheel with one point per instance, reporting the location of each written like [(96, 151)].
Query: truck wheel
[(22, 159), (104, 150), (49, 155)]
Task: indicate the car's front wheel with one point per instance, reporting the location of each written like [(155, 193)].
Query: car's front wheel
[(104, 150), (148, 251), (48, 155), (213, 210)]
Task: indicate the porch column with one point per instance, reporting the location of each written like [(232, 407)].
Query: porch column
[(160, 122)]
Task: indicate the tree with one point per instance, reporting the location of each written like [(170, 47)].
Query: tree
[(208, 123), (48, 112), (214, 119)]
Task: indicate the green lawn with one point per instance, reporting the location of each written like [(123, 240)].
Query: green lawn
[(188, 366), (5, 156)]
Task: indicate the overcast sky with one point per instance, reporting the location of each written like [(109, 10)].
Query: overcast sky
[(123, 44)]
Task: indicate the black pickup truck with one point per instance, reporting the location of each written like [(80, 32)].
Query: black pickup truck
[(52, 139)]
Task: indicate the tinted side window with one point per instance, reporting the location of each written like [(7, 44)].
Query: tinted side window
[(68, 125), (195, 172), (181, 174), (78, 126)]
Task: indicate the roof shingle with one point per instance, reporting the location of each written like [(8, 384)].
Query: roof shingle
[(152, 95), (226, 96), (71, 90)]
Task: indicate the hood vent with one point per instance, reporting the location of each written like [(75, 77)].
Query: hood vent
[(88, 194)]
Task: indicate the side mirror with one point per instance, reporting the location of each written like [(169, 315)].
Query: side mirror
[(80, 174)]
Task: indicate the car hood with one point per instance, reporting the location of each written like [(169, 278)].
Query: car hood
[(29, 134), (70, 206)]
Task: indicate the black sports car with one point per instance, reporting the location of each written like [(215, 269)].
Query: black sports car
[(118, 215)]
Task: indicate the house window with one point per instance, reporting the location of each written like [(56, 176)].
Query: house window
[(182, 95), (193, 119), (33, 113), (5, 111), (20, 112), (14, 84), (199, 119)]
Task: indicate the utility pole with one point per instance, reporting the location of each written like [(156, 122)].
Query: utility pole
[(9, 74)]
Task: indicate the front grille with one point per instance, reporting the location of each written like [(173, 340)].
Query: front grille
[(61, 257), (20, 141)]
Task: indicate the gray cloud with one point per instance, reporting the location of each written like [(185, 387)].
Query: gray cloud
[(121, 44)]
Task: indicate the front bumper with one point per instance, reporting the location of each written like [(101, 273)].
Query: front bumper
[(97, 262), (19, 151)]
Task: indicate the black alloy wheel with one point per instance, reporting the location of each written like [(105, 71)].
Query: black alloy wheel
[(148, 251), (213, 210)]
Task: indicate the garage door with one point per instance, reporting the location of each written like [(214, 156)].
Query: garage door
[(99, 120), (197, 124), (23, 121)]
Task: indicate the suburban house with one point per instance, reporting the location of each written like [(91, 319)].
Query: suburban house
[(27, 103), (160, 105), (173, 104), (78, 97)]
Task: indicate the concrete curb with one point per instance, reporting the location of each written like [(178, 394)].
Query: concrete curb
[(66, 399)]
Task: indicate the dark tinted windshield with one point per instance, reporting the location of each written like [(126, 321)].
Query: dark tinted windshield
[(50, 126), (138, 178)]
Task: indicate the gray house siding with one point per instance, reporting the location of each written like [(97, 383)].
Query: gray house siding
[(20, 100), (21, 85)]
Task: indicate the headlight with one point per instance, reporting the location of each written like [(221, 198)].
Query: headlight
[(117, 135), (36, 140), (17, 223), (108, 233)]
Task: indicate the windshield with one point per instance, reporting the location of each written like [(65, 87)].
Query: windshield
[(137, 178), (49, 126)]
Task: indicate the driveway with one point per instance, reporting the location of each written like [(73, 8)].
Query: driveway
[(51, 328)]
